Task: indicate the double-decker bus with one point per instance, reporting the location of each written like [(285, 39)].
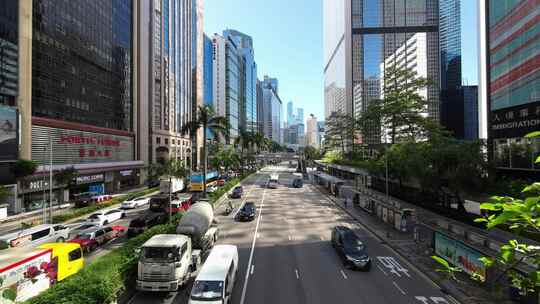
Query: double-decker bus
[(196, 183)]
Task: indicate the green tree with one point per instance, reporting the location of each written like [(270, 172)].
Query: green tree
[(245, 140), (401, 113), (340, 131), (22, 169), (227, 159), (259, 141), (207, 119)]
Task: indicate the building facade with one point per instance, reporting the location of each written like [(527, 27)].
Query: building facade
[(75, 96), (248, 85), (227, 65), (360, 36), (271, 110), (511, 75), (312, 133)]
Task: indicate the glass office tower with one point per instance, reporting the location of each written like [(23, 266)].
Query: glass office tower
[(363, 38), (85, 77), (248, 94), (9, 31)]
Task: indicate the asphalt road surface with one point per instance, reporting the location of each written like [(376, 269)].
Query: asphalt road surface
[(286, 256)]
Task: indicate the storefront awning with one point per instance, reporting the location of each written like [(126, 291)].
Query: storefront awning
[(93, 167)]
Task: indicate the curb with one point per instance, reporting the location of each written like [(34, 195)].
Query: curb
[(453, 297)]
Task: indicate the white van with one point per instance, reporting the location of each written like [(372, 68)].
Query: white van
[(215, 282), (40, 234), (273, 182)]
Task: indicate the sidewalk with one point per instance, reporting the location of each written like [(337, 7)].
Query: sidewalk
[(14, 222), (419, 255)]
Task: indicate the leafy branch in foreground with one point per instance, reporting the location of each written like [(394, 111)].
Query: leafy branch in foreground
[(521, 216)]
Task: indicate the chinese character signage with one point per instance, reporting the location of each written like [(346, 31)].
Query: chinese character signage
[(77, 147), (515, 121), (9, 144)]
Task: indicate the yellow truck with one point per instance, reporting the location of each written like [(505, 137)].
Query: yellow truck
[(25, 272)]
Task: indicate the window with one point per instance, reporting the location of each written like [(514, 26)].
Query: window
[(75, 255), (40, 234), (184, 249), (99, 233), (111, 212), (107, 229), (166, 141), (59, 227), (158, 140)]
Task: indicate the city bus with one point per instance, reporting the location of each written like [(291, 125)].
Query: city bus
[(196, 184)]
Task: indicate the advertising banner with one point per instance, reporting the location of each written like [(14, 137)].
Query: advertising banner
[(460, 255), (79, 147), (9, 144)]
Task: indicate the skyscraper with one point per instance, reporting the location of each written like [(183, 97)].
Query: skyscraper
[(312, 133), (227, 65), (360, 36), (248, 85), (290, 113), (208, 95), (272, 109), (511, 79)]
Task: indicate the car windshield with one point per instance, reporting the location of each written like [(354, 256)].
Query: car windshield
[(352, 244), (140, 199), (158, 254), (84, 227), (84, 236), (94, 216), (207, 290), (137, 223)]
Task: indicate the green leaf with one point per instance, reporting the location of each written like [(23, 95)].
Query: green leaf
[(533, 187), (533, 134), (441, 261), (490, 206), (487, 261), (480, 220)]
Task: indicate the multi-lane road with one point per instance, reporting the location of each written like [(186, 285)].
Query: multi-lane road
[(286, 255)]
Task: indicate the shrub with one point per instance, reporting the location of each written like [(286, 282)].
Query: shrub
[(102, 280), (75, 213), (105, 278)]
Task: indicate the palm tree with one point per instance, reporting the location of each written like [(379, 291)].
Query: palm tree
[(245, 140), (173, 169), (259, 141), (207, 119), (226, 158)]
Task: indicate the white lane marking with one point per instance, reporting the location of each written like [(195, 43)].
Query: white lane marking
[(252, 269), (290, 238), (343, 274), (250, 262), (399, 288), (386, 274), (393, 266), (297, 275)]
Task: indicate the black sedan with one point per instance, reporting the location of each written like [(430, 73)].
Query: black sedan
[(237, 192), (350, 248), (247, 212)]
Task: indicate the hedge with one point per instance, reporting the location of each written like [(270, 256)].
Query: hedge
[(103, 280), (214, 196), (78, 212)]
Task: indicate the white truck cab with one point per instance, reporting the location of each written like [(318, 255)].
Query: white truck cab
[(215, 282), (165, 263)]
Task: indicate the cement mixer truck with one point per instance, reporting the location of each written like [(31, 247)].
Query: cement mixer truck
[(166, 261)]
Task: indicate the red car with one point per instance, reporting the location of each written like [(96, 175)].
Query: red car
[(92, 238)]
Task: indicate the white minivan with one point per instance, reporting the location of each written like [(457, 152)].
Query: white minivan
[(215, 282), (36, 235)]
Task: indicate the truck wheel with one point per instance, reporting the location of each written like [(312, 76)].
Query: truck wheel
[(60, 240)]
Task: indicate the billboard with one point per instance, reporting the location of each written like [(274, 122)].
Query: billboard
[(9, 143), (460, 255), (79, 147)]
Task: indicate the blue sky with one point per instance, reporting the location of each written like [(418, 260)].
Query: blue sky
[(287, 37)]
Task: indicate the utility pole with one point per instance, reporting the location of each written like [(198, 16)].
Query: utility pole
[(50, 177)]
